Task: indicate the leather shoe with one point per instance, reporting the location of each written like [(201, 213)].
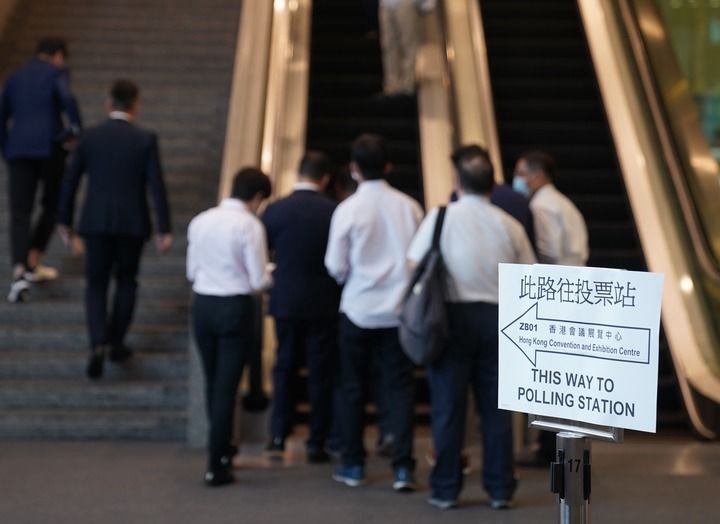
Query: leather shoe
[(220, 477), (95, 363), (120, 353)]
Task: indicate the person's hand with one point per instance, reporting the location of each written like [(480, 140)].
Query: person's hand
[(163, 242), (66, 235), (70, 143)]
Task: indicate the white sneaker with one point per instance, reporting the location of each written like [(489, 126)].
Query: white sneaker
[(41, 274), (19, 291)]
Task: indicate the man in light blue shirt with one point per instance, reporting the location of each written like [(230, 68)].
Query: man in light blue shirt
[(369, 236)]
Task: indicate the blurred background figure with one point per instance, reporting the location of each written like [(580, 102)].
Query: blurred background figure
[(304, 302), (398, 39), (34, 141), (122, 162), (227, 262)]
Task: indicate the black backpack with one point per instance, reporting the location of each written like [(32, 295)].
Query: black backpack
[(423, 317)]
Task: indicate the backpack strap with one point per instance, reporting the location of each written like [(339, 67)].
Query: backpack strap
[(438, 227)]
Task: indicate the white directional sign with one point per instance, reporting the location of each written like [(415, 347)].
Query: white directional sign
[(580, 344)]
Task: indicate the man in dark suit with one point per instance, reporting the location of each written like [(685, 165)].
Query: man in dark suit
[(33, 139), (121, 161), (304, 301)]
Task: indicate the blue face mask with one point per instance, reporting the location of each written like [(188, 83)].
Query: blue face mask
[(521, 186)]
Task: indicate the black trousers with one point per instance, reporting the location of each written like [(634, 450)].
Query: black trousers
[(223, 330), (105, 255), (471, 358), (312, 342), (25, 176), (359, 350)]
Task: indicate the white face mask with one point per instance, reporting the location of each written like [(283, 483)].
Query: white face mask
[(520, 185)]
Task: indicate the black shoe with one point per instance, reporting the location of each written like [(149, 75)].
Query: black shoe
[(227, 459), (275, 448), (120, 353), (220, 477), (96, 363), (317, 455)]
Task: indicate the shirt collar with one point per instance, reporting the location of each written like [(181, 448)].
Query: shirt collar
[(546, 189), (372, 184), (120, 115), (306, 186), (234, 203), (474, 198)]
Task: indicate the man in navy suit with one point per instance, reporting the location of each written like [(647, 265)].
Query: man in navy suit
[(304, 301), (121, 161), (33, 139)]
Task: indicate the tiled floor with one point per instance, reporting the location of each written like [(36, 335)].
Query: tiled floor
[(653, 479)]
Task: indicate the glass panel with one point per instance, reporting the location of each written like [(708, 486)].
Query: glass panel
[(694, 27)]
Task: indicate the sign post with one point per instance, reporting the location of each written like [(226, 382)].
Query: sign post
[(579, 352)]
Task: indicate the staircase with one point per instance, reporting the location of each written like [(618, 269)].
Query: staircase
[(546, 97), (181, 54), (345, 81)]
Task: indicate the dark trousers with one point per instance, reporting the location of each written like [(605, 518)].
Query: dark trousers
[(223, 330), (359, 350), (312, 342), (25, 175), (106, 255), (471, 358)]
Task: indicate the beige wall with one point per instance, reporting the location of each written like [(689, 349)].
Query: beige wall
[(6, 8)]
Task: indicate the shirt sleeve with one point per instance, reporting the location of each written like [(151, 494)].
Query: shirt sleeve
[(255, 257), (337, 255), (422, 240), (191, 259), (69, 104), (548, 236)]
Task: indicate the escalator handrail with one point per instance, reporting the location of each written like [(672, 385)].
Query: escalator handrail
[(707, 260)]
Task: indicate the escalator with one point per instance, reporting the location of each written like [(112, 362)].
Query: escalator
[(344, 101), (546, 97), (344, 95)]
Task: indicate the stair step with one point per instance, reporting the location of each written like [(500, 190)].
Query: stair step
[(74, 394), (142, 337), (166, 424), (54, 364)]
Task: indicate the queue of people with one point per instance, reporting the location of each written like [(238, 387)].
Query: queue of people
[(336, 273), (339, 274)]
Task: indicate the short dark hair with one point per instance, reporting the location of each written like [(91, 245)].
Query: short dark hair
[(315, 165), (248, 182), (539, 160), (51, 45), (474, 168), (123, 94), (370, 154), (466, 151)]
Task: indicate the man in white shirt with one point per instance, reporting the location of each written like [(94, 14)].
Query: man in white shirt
[(398, 39), (475, 238), (560, 232), (227, 262), (369, 236), (560, 237)]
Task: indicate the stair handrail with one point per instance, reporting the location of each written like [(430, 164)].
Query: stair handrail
[(474, 108), (246, 112)]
